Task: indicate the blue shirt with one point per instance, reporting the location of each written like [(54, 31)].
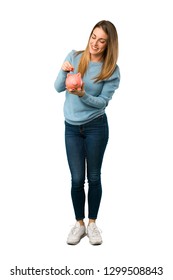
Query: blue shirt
[(80, 110)]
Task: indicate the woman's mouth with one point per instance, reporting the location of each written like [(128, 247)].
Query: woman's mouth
[(94, 48)]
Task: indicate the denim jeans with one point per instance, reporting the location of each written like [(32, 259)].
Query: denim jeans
[(85, 147)]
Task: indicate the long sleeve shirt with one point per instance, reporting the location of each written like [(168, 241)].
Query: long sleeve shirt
[(80, 110)]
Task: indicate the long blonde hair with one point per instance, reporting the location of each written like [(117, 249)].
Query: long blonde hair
[(110, 55)]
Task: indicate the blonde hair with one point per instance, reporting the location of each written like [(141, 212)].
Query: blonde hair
[(110, 55)]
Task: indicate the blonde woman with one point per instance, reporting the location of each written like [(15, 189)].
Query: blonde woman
[(86, 125)]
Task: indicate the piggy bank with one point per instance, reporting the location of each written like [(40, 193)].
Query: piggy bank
[(73, 82)]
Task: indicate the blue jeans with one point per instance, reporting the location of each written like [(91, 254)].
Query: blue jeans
[(85, 147)]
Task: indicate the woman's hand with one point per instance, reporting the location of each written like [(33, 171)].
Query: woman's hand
[(67, 66), (79, 93)]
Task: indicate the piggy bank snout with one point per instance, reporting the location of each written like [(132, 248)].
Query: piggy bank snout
[(73, 82)]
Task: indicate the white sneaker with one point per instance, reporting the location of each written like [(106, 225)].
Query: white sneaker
[(93, 234), (76, 233)]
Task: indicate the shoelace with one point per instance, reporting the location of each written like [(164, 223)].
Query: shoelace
[(96, 231), (74, 230)]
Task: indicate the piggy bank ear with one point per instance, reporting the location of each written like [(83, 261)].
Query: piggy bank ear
[(79, 75), (68, 74)]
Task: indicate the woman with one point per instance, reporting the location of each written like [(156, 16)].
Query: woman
[(86, 126)]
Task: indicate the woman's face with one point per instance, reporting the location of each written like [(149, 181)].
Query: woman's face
[(97, 43)]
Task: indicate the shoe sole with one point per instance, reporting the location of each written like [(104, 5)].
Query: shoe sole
[(98, 243), (95, 244), (77, 241)]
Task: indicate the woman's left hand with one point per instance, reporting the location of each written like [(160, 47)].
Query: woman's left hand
[(80, 93)]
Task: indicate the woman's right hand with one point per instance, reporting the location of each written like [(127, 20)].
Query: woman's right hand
[(67, 66)]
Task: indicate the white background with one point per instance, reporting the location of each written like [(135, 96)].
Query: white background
[(136, 209)]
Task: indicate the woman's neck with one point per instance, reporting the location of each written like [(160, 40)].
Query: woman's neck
[(96, 58)]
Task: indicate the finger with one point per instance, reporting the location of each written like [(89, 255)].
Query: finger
[(82, 87), (67, 66)]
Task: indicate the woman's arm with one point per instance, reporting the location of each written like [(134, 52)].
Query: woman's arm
[(103, 99), (60, 81), (66, 67)]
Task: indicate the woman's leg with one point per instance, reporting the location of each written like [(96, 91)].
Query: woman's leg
[(76, 159), (95, 142)]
